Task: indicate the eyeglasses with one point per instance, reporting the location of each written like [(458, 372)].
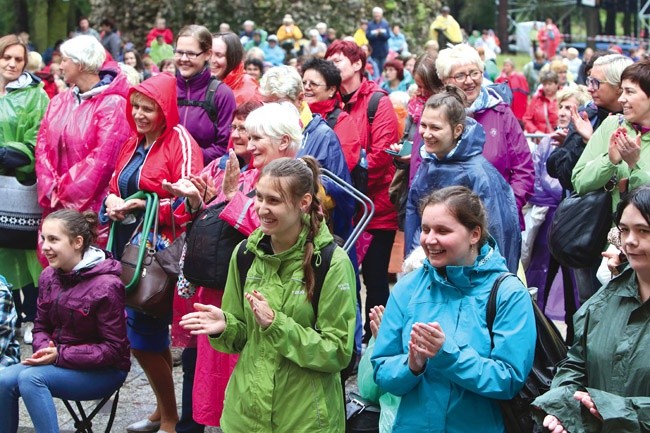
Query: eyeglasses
[(239, 128), (474, 75), (189, 54), (594, 83), (310, 84)]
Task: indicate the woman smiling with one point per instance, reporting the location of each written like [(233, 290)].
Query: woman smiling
[(452, 145), (620, 147), (158, 149), (433, 348)]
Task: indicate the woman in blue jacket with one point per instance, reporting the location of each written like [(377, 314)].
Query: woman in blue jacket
[(452, 154), (433, 348)]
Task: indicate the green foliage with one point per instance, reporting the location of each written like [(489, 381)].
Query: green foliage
[(137, 17)]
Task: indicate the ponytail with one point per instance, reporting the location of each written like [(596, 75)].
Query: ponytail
[(301, 176)]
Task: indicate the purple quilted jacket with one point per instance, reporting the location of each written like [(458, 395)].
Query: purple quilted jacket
[(82, 312)]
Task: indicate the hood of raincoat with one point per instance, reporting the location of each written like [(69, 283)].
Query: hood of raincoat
[(162, 89)]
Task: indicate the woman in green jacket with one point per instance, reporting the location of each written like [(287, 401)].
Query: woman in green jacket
[(22, 105), (620, 148), (604, 384), (287, 376)]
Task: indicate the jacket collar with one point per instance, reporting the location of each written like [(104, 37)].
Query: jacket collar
[(465, 278)]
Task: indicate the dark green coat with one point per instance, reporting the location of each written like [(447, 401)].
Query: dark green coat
[(610, 360)]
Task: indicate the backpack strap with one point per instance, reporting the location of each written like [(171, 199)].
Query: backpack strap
[(491, 313), (209, 99), (373, 105), (245, 261), (333, 117), (320, 272)]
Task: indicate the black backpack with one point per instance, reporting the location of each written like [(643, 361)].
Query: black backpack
[(245, 260), (550, 349), (359, 173), (208, 101), (210, 243)]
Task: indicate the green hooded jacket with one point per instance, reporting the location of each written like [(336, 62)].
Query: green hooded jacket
[(21, 111), (287, 376), (609, 360), (594, 169)]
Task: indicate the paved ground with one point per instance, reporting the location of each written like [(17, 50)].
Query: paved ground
[(136, 401)]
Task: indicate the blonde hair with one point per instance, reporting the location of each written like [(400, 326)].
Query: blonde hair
[(34, 62), (579, 92), (458, 55)]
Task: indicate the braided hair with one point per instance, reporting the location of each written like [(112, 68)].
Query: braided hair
[(294, 178)]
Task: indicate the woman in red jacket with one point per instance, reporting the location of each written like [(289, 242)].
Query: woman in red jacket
[(159, 149), (227, 64), (321, 80), (541, 115)]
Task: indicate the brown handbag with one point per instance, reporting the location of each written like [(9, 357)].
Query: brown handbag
[(149, 286)]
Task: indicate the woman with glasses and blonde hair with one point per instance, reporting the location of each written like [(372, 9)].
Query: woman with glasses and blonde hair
[(208, 122), (505, 145)]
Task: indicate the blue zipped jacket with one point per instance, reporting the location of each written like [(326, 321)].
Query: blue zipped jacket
[(461, 385), (465, 165)]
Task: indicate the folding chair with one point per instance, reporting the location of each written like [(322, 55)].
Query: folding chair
[(82, 422)]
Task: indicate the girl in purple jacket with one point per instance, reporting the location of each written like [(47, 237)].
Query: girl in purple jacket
[(80, 347)]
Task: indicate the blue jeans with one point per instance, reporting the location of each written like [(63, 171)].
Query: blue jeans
[(38, 386)]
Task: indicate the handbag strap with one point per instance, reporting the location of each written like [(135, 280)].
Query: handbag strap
[(149, 219)]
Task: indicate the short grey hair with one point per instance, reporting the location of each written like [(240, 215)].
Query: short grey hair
[(85, 51), (458, 55), (377, 9), (275, 121), (282, 82), (613, 66)]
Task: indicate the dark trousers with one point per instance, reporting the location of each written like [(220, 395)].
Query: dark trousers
[(186, 423), (375, 273), (25, 306)]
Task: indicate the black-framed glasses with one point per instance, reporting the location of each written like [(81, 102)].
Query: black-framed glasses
[(311, 84), (191, 55), (594, 83), (461, 77)]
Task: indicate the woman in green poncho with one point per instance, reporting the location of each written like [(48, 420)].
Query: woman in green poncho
[(22, 105), (604, 384)]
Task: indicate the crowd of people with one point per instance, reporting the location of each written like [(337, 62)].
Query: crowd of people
[(465, 165)]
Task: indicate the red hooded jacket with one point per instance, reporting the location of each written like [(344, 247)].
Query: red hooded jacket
[(375, 140), (172, 156)]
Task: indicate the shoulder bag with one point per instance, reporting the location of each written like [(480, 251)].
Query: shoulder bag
[(579, 228), (20, 214), (146, 274), (550, 349)]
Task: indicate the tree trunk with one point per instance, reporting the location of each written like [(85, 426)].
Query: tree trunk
[(38, 21), (627, 24), (610, 22), (502, 17), (592, 24), (58, 20)]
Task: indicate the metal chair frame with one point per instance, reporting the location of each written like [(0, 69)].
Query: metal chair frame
[(367, 207), (83, 423)]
